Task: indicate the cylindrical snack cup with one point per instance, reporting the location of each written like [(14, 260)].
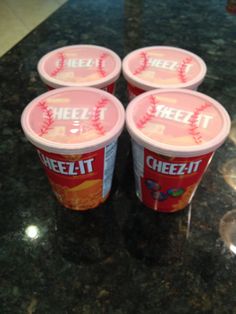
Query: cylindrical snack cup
[(231, 6), (80, 66), (75, 132), (162, 67), (175, 133)]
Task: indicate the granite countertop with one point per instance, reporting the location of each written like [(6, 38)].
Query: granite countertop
[(122, 257)]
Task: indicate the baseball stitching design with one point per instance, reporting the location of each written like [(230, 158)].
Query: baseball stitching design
[(193, 130), (144, 64), (182, 69), (61, 63), (151, 110), (101, 70), (47, 118), (96, 122)]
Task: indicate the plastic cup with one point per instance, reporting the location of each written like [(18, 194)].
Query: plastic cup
[(162, 67), (175, 133), (231, 6), (80, 66), (75, 132)]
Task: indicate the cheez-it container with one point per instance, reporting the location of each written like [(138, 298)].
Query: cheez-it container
[(174, 136), (162, 67), (75, 133), (80, 66)]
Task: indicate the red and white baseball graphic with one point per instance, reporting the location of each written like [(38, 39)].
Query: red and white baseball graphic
[(161, 68), (176, 118), (194, 128), (60, 63), (82, 66), (182, 69), (47, 118), (101, 64), (149, 114), (96, 118)]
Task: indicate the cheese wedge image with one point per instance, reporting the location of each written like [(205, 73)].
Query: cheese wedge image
[(86, 195)]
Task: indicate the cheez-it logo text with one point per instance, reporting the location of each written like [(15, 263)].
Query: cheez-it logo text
[(182, 116), (174, 169), (69, 168), (170, 65), (82, 62)]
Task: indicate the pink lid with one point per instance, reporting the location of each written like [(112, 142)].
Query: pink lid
[(73, 120), (177, 122), (163, 67), (80, 65)]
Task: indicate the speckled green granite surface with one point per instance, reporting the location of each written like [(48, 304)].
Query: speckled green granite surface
[(121, 258)]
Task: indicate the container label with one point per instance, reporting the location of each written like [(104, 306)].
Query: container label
[(82, 181), (134, 91), (109, 88), (164, 183)]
